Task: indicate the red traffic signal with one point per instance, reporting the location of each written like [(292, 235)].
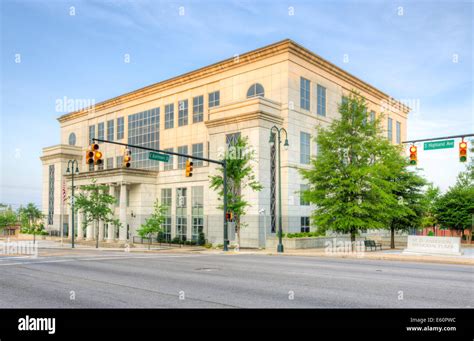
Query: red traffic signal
[(463, 151), (413, 156)]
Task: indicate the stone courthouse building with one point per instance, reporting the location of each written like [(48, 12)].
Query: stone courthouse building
[(198, 113)]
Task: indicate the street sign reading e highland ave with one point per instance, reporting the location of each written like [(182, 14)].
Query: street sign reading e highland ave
[(438, 145), (159, 157)]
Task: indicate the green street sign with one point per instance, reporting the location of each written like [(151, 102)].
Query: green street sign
[(158, 157), (438, 145)]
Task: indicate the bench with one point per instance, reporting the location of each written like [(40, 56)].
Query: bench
[(372, 245)]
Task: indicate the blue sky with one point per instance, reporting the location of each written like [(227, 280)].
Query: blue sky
[(407, 49)]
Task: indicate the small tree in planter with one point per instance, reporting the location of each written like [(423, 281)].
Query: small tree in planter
[(154, 223)]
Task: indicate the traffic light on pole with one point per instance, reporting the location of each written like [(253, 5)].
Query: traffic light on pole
[(413, 156), (189, 168), (89, 156), (127, 159), (463, 151)]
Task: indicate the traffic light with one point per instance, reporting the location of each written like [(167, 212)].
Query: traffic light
[(229, 216), (89, 156), (462, 151), (127, 159), (413, 156), (189, 168), (98, 157)]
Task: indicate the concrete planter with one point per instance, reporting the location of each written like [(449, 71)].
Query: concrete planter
[(307, 242)]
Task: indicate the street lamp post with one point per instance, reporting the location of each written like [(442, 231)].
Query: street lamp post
[(72, 170), (272, 142)]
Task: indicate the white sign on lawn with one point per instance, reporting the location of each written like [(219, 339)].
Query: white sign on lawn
[(434, 245)]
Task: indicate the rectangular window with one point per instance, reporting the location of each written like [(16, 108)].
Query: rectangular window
[(303, 187), (304, 93), (197, 207), (110, 162), (144, 131), (214, 99), (182, 113), (169, 116), (169, 165), (399, 133), (181, 213), (166, 201), (119, 161), (100, 131), (321, 94), (305, 227), (389, 129), (372, 116), (182, 159), (305, 148), (110, 130), (198, 109), (232, 139), (120, 128), (91, 133), (198, 150)]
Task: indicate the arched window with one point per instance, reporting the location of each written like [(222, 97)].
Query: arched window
[(72, 139), (256, 90)]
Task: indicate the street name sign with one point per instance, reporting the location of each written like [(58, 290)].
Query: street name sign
[(438, 145), (159, 157)]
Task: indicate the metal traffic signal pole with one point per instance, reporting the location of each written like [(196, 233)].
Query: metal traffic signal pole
[(219, 162), (439, 138)]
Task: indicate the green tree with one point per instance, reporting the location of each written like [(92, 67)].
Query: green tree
[(429, 200), (409, 193), (30, 215), (350, 179), (8, 217), (95, 201), (240, 175), (154, 224)]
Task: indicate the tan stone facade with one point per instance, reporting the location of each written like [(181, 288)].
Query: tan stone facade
[(279, 68)]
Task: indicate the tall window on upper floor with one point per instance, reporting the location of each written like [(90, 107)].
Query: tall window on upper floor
[(91, 133), (169, 116), (182, 159), (214, 99), (100, 131), (303, 188), (198, 150), (72, 139), (182, 113), (305, 148), (389, 129), (372, 116), (198, 109), (110, 130), (169, 165), (144, 131), (120, 128), (398, 133), (304, 93), (255, 90), (321, 95)]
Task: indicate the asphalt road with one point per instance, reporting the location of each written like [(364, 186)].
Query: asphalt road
[(113, 279)]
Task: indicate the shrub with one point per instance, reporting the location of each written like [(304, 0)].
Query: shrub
[(201, 239)]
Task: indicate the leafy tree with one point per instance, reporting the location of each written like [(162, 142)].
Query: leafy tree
[(240, 175), (350, 180), (154, 223), (409, 192), (30, 215), (8, 217), (95, 201), (430, 197)]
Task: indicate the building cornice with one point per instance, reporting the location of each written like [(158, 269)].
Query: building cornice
[(108, 173), (284, 46), (256, 115)]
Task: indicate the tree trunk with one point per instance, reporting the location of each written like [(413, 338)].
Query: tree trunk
[(392, 237), (237, 228)]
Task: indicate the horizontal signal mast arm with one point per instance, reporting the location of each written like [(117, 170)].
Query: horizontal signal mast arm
[(439, 138)]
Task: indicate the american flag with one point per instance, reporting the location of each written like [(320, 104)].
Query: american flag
[(64, 191)]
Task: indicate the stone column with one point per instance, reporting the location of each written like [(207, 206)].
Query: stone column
[(90, 231), (80, 233), (101, 231), (110, 226), (123, 212)]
